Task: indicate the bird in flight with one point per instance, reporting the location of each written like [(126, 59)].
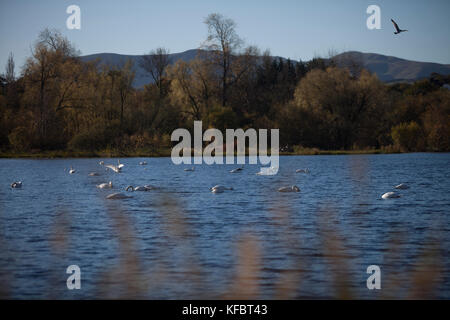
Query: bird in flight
[(398, 30)]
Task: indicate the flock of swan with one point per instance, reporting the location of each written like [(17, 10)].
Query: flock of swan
[(216, 189), (118, 168)]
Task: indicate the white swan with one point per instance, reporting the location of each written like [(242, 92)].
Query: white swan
[(16, 184), (302, 171), (102, 163), (139, 188), (150, 187), (237, 170), (114, 168), (72, 170), (105, 185), (390, 195), (289, 189), (118, 195), (93, 174), (143, 163), (402, 186), (265, 171), (220, 189), (189, 169)]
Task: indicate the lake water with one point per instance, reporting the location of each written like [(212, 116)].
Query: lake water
[(182, 241)]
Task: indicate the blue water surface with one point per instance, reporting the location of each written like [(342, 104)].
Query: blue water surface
[(180, 241)]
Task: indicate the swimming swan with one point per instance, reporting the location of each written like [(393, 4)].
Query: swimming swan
[(289, 189), (237, 170), (143, 163), (140, 188), (72, 170), (219, 189), (114, 168), (93, 174), (265, 171), (118, 195), (16, 184), (302, 171), (105, 185), (402, 186), (390, 195)]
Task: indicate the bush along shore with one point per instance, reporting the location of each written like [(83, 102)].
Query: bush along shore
[(166, 152)]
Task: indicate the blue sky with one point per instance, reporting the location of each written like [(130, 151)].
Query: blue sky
[(290, 28)]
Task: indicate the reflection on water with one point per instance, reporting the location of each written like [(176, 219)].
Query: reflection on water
[(182, 241)]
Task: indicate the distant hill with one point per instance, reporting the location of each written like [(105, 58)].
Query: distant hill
[(387, 68), (141, 77), (393, 69)]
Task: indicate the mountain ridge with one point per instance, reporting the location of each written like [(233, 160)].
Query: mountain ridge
[(389, 69), (394, 69)]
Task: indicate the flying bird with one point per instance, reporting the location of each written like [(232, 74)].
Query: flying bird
[(398, 30), (114, 168)]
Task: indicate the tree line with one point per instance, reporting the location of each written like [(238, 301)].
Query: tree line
[(60, 102)]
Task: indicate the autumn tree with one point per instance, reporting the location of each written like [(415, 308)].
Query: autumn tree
[(51, 75), (192, 87), (406, 136), (125, 86), (156, 63), (348, 107), (222, 43), (10, 74), (52, 39)]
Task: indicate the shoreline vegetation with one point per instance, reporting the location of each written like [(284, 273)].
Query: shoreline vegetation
[(166, 152)]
